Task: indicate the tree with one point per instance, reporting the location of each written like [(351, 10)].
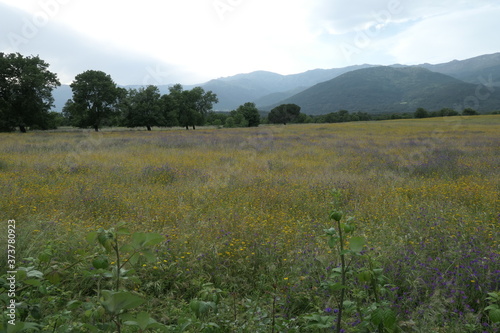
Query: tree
[(203, 101), (284, 114), (190, 106), (469, 112), (250, 113), (447, 112), (421, 113), (143, 108), (26, 87), (95, 99)]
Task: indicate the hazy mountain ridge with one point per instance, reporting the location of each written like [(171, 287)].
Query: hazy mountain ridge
[(267, 88), (389, 89)]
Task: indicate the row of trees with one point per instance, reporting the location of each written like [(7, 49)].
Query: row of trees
[(98, 101), (26, 87)]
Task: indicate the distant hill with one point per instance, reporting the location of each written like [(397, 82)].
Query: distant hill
[(264, 88), (389, 89), (267, 88), (474, 70)]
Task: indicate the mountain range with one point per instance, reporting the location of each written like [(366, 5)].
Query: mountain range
[(368, 88)]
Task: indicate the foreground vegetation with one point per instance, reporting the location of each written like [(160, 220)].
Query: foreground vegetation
[(223, 230)]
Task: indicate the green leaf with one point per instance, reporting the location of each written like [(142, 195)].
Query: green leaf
[(91, 237), (73, 305), (106, 238), (348, 228), (53, 277), (494, 315), (116, 301), (365, 276), (330, 231), (201, 308), (332, 242), (389, 318), (22, 326), (356, 244), (100, 262), (33, 282), (45, 256), (34, 273), (336, 286), (150, 257), (141, 239)]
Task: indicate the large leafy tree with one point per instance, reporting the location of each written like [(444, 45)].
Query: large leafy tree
[(190, 106), (284, 114), (143, 107), (95, 99), (203, 102), (250, 113), (26, 87)]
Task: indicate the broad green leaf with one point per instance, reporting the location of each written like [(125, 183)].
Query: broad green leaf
[(330, 231), (389, 318), (336, 286), (141, 239), (34, 273), (115, 302), (73, 305), (33, 282), (356, 244), (494, 315), (332, 242), (53, 277), (91, 237), (150, 257), (45, 256), (142, 320), (22, 326), (365, 276)]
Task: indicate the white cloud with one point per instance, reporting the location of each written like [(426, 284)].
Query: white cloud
[(202, 39), (455, 35)]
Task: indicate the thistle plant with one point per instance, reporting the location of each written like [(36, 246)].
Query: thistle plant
[(376, 315)]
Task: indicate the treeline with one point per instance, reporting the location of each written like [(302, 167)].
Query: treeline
[(97, 101), (26, 99)]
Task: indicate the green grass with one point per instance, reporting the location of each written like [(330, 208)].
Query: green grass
[(245, 209)]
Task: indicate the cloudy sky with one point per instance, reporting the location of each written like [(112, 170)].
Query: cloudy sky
[(193, 41)]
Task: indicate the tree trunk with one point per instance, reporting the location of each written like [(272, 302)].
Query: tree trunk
[(22, 128), (96, 128), (148, 127), (194, 127), (187, 127)]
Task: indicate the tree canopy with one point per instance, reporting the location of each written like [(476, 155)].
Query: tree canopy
[(283, 114), (143, 107), (95, 99), (26, 87)]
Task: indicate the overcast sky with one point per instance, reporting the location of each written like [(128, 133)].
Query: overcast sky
[(193, 41)]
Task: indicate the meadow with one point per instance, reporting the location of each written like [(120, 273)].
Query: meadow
[(242, 213)]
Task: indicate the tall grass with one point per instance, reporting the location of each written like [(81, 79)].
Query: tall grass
[(245, 209)]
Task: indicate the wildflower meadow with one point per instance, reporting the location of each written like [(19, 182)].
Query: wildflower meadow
[(232, 230)]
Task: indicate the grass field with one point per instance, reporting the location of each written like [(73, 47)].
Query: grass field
[(245, 210)]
